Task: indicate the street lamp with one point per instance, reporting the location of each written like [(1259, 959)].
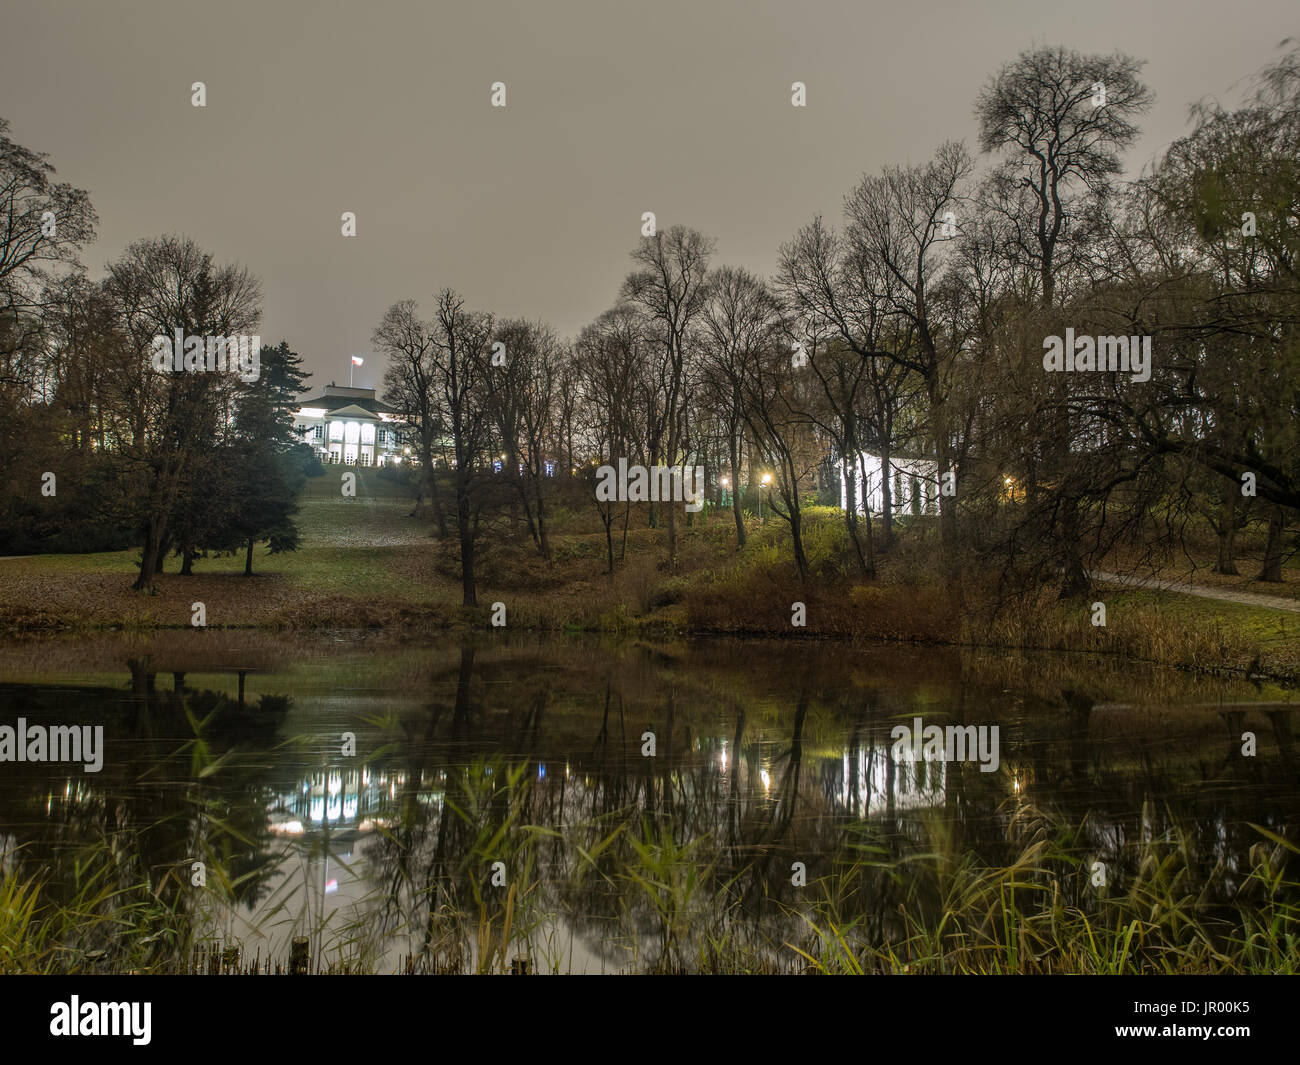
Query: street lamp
[(766, 480)]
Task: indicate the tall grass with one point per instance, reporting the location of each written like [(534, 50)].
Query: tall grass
[(476, 885)]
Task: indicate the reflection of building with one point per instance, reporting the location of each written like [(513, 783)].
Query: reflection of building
[(868, 781), (914, 488), (350, 426), (341, 798)]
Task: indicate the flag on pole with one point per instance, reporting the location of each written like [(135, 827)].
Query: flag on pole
[(357, 360)]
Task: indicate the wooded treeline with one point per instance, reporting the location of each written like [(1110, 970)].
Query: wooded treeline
[(913, 325)]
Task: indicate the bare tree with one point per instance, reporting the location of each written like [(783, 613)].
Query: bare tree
[(740, 320), (671, 285), (833, 292), (43, 226), (611, 359), (898, 235), (462, 384), (409, 343), (524, 401), (1061, 119), (773, 399), (159, 286)]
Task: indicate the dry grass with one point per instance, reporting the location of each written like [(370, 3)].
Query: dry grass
[(367, 565)]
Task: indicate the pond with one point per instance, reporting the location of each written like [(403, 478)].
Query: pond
[(580, 805)]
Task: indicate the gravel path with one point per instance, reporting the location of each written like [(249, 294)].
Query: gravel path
[(1247, 598)]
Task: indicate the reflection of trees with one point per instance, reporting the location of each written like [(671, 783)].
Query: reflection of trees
[(1190, 783), (531, 756), (736, 801), (175, 787)]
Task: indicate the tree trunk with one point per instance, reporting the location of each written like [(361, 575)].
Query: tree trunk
[(429, 479), (543, 541), (470, 597), (1272, 568), (510, 470), (187, 562), (886, 497), (1227, 560), (737, 513), (149, 555), (796, 536), (653, 520), (672, 534), (866, 562), (947, 503), (248, 559)]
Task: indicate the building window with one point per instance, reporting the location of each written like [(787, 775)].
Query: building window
[(368, 433), (496, 465), (365, 458), (317, 431), (336, 430), (383, 436), (353, 432), (550, 469)]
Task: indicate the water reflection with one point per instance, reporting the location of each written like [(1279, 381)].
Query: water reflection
[(499, 808)]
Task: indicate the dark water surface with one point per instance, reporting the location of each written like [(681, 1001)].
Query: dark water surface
[(234, 751)]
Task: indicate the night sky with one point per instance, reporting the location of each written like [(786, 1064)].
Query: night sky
[(681, 108)]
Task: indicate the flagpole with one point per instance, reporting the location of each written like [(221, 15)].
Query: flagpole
[(352, 368)]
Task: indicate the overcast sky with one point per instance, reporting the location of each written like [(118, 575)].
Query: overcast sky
[(681, 107)]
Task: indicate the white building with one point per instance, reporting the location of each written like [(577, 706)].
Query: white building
[(914, 485), (350, 426)]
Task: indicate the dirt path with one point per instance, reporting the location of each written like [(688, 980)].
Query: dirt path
[(1246, 598)]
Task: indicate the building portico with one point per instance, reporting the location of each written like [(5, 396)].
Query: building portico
[(350, 427)]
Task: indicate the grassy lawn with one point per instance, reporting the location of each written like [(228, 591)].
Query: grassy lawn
[(365, 563), (1269, 637), (367, 547)]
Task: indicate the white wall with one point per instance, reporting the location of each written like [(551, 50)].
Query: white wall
[(924, 470)]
